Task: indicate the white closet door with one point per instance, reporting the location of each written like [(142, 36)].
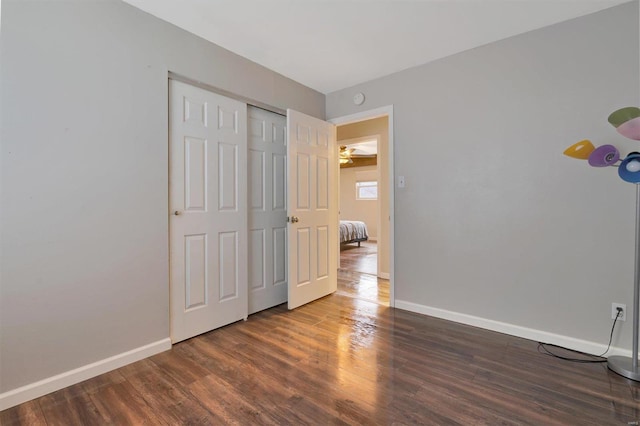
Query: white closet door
[(312, 206), (267, 209), (207, 210)]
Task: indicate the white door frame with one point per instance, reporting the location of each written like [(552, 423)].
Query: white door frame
[(368, 115)]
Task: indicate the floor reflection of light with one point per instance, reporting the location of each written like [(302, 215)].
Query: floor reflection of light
[(357, 377), (367, 287), (357, 351)]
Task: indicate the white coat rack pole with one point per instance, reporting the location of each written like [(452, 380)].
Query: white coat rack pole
[(625, 366)]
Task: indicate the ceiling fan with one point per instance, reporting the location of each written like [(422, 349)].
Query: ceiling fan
[(345, 155), (350, 153)]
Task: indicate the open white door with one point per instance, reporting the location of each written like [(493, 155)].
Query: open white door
[(312, 208), (207, 210)]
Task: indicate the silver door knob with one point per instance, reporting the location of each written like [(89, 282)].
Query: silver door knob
[(294, 219), (177, 213)]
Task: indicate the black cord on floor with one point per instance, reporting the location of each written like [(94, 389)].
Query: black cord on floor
[(543, 348)]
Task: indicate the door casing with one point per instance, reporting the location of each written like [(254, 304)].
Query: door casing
[(369, 115)]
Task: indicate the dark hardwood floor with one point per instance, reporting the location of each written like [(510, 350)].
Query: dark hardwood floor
[(343, 360)]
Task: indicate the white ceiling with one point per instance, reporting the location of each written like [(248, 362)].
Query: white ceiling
[(364, 147), (332, 44)]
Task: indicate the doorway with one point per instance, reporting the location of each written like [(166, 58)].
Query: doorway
[(366, 194), (359, 207)]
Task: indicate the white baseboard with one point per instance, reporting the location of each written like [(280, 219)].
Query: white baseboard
[(35, 390), (513, 330), (385, 276)]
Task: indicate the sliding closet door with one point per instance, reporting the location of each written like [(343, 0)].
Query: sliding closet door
[(267, 209), (207, 210)]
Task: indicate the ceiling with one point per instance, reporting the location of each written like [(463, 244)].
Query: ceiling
[(364, 147), (329, 45)]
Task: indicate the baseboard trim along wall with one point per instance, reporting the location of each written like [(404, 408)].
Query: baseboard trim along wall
[(512, 330), (35, 390)]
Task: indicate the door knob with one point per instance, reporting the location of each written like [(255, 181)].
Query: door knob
[(294, 219), (177, 213)]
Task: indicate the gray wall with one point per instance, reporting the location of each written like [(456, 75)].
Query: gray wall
[(84, 266), (494, 221)]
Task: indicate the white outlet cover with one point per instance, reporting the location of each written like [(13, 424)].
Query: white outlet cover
[(614, 311)]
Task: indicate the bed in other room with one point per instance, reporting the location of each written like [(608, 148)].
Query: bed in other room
[(353, 231)]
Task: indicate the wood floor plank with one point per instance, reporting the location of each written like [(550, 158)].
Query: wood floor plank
[(228, 405), (170, 402), (28, 413), (82, 388), (181, 369), (121, 404), (78, 411)]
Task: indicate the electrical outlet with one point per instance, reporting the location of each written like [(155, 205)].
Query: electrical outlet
[(614, 311)]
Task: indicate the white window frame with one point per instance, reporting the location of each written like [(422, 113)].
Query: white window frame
[(366, 184)]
